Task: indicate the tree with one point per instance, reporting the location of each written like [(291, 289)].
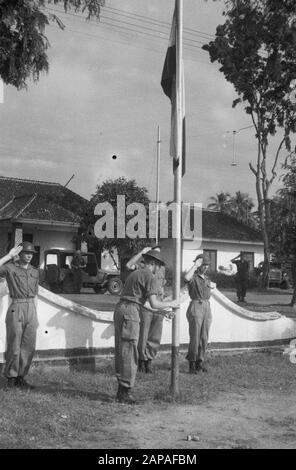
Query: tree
[(256, 47), (23, 44), (220, 202), (284, 220), (241, 205), (108, 192), (238, 206)]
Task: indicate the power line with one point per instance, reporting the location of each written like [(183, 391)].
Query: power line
[(155, 21), (165, 33), (123, 28)]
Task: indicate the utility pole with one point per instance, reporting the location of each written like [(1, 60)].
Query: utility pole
[(157, 183)]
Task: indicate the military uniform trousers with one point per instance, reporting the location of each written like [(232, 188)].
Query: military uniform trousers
[(150, 334), (199, 317), (127, 327), (21, 328), (241, 286)]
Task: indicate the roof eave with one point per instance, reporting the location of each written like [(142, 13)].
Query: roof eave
[(222, 240), (46, 222)]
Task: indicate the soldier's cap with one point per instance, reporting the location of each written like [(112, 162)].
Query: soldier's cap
[(155, 255), (155, 247), (28, 247), (205, 259)]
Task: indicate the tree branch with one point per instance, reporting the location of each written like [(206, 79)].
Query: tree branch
[(276, 160)]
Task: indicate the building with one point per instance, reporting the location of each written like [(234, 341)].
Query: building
[(223, 238), (43, 213)]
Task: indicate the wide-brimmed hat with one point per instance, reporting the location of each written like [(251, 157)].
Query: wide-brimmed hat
[(204, 258), (154, 254), (28, 247)]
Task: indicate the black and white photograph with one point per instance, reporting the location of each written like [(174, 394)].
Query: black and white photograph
[(147, 228)]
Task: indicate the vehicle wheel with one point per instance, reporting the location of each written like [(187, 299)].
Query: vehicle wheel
[(284, 285), (99, 289), (115, 285)]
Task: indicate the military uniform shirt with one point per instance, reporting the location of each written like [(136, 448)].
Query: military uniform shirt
[(242, 268), (199, 288), (22, 283), (139, 285)]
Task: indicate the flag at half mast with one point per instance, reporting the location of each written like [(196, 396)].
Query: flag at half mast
[(176, 94)]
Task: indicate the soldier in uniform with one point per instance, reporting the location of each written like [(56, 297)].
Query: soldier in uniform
[(242, 276), (141, 285), (151, 323), (198, 314), (21, 318), (77, 264)]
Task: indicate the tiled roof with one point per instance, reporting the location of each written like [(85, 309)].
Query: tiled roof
[(216, 225), (55, 192), (36, 207)]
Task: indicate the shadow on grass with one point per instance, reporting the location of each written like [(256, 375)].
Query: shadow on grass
[(56, 388)]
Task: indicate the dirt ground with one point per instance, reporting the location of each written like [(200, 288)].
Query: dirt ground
[(243, 402), (245, 421)]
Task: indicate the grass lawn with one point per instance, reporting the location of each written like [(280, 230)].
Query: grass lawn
[(244, 401)]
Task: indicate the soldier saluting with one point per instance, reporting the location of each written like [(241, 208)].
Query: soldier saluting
[(140, 285), (242, 276), (21, 317)]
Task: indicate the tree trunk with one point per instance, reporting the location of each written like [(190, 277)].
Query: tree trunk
[(264, 230), (293, 300)]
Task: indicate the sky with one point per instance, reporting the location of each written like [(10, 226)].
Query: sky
[(102, 98)]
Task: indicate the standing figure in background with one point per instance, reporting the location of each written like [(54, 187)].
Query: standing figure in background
[(151, 323), (199, 313), (21, 318), (242, 276), (77, 265)]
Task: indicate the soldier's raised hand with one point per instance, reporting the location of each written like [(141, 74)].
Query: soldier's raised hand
[(146, 249), (15, 251)]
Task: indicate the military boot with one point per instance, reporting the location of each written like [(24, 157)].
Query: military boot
[(124, 396), (192, 369), (200, 367), (141, 366), (148, 367), (22, 383), (11, 382)]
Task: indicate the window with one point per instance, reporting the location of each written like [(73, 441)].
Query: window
[(249, 256), (212, 255)]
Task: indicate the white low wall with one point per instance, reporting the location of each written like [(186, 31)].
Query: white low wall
[(69, 329)]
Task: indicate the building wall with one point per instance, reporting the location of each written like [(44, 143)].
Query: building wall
[(52, 239), (107, 262), (3, 241), (225, 252), (45, 237)]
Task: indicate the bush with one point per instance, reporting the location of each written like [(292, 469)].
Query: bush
[(222, 280), (169, 277), (229, 282)]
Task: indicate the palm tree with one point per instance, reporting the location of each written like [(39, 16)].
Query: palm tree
[(241, 206), (220, 203)]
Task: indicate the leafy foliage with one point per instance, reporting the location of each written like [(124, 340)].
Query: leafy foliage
[(108, 192), (256, 48), (238, 206), (23, 44), (284, 220), (284, 213)]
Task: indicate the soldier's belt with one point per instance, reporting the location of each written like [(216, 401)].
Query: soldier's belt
[(22, 301)]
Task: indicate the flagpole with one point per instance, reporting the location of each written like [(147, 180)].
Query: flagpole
[(157, 183), (177, 199)]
